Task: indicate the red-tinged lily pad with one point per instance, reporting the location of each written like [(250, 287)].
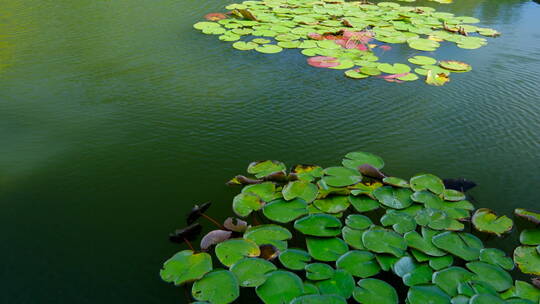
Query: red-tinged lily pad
[(323, 61), (530, 216), (215, 16), (454, 65)]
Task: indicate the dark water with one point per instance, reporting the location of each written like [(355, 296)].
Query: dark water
[(116, 116)]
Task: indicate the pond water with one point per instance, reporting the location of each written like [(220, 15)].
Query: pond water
[(117, 116)]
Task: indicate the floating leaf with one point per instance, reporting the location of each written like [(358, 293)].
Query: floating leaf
[(245, 203), (531, 216), (323, 61), (186, 266), (332, 204), (397, 68), (373, 291), (218, 286), (436, 79), (424, 242), (359, 263), (496, 257), (530, 237), (318, 225), (266, 167), (280, 287), (266, 191), (384, 241), (300, 189), (396, 182), (233, 250), (455, 65), (269, 234), (268, 49), (492, 274), (244, 46), (214, 237), (394, 198), (319, 299), (319, 271), (327, 249), (363, 203), (463, 245), (527, 259), (486, 220), (355, 159), (453, 195), (251, 272), (438, 263), (427, 294), (283, 211), (358, 221), (422, 60), (239, 226), (341, 283), (427, 182), (341, 176), (294, 259)]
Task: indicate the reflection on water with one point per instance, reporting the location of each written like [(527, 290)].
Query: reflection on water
[(117, 115)]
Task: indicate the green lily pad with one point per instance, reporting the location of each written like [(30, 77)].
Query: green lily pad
[(462, 245), (397, 68), (218, 286), (319, 271), (397, 198), (186, 266), (486, 220), (422, 60), (363, 203), (319, 299), (341, 283), (283, 211), (318, 225), (326, 249), (371, 71), (233, 250), (300, 189), (453, 195), (437, 219), (492, 274), (384, 241), (269, 234), (341, 176), (353, 237), (427, 294), (471, 287), (423, 44), (486, 299), (396, 182), (261, 41), (355, 159), (522, 290), (307, 172), (531, 216), (251, 272), (374, 291), (359, 263), (530, 237), (355, 74), (264, 168), (449, 279), (244, 46), (527, 259), (268, 49), (332, 204), (401, 222), (280, 287), (496, 257), (358, 221), (294, 259), (427, 182), (245, 203), (438, 263), (266, 191), (424, 242), (454, 65)]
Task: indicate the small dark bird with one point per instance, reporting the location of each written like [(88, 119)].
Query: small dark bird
[(459, 184)]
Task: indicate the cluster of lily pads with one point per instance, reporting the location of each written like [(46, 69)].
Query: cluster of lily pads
[(351, 232), (350, 36)]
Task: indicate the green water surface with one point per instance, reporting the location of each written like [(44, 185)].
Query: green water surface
[(116, 116)]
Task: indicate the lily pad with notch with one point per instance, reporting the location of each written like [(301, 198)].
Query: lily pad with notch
[(323, 225), (251, 272)]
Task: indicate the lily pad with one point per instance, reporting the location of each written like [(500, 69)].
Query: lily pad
[(363, 203), (397, 198), (251, 272), (319, 271), (244, 46), (341, 283), (300, 189), (332, 204), (530, 237), (522, 290), (424, 242), (460, 244), (358, 221), (486, 220), (401, 222), (531, 216), (492, 274), (283, 211), (266, 191), (454, 65), (218, 286), (280, 287), (374, 291), (267, 167), (245, 203), (397, 68), (496, 257), (186, 266), (353, 237), (427, 182), (527, 259), (323, 61), (326, 249), (294, 259), (438, 263), (422, 60), (268, 49), (453, 195), (427, 294), (269, 234), (233, 250), (359, 263), (396, 182), (355, 159), (384, 241), (355, 74), (319, 225), (341, 176)]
